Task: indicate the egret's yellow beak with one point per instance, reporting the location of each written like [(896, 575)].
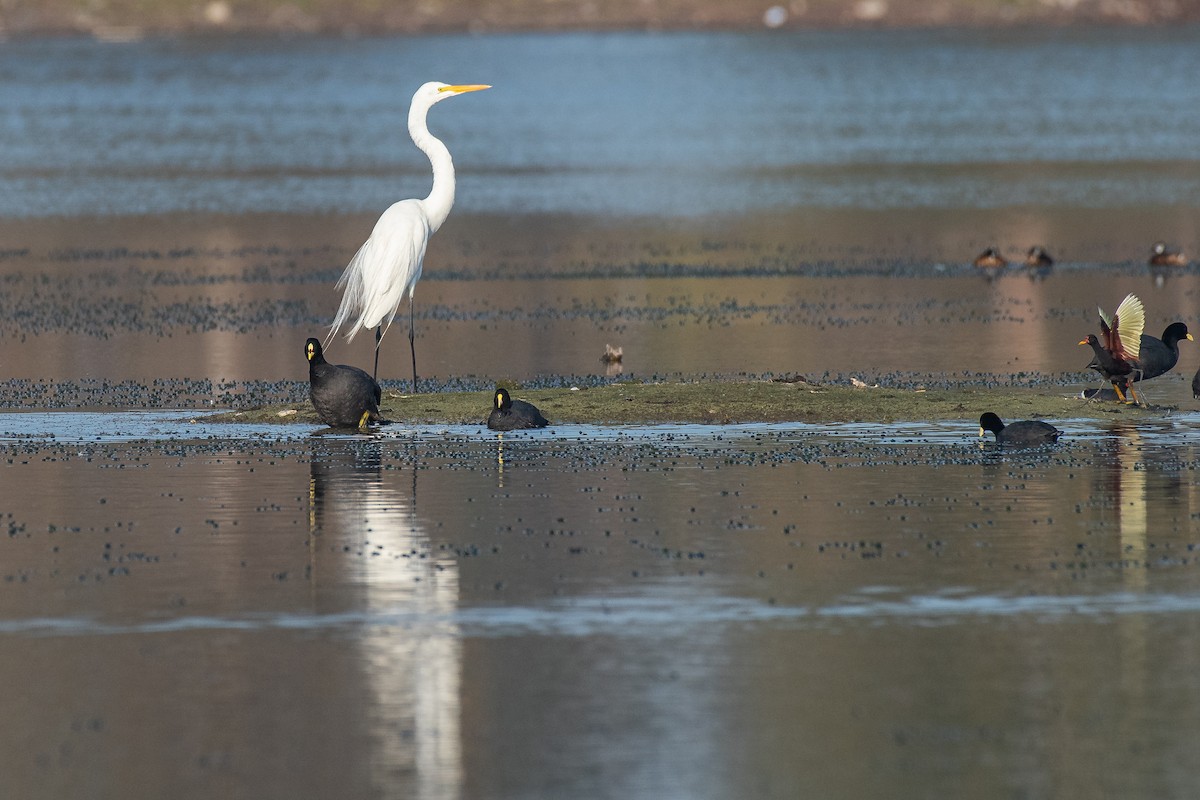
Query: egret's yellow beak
[(1190, 339), (982, 432), (1083, 341), (465, 87)]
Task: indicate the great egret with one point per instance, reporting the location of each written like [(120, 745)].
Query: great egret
[(388, 265), (344, 397), (510, 415)]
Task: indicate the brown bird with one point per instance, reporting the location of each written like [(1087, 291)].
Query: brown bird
[(1038, 258), (1161, 256), (1115, 354), (990, 259), (1038, 263)]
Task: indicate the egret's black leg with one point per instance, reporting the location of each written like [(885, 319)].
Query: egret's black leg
[(411, 341), (378, 336)]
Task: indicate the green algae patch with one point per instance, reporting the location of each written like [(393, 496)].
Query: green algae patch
[(727, 402)]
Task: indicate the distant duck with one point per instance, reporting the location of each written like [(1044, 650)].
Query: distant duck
[(344, 397), (990, 259), (611, 358), (510, 415), (1038, 257), (612, 355), (1162, 256), (1038, 262), (1027, 432), (1163, 262)]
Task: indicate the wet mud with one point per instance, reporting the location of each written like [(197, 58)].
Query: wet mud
[(188, 311)]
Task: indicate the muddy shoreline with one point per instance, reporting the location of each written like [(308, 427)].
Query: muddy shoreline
[(731, 402)]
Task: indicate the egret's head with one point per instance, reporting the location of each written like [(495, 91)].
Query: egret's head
[(435, 92), (502, 400), (312, 349)]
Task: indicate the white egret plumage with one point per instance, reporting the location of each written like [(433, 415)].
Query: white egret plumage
[(388, 265)]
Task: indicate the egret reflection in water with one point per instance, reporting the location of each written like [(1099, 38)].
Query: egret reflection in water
[(365, 533)]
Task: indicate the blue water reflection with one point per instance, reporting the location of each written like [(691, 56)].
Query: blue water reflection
[(615, 123)]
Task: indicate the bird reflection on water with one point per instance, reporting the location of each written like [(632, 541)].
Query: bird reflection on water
[(1123, 485), (499, 460), (365, 534)]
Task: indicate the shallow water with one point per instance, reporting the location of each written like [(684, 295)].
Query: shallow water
[(607, 612), (198, 610)]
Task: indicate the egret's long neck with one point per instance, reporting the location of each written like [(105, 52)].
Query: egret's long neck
[(441, 197)]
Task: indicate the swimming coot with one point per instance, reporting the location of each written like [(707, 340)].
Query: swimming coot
[(1027, 432)]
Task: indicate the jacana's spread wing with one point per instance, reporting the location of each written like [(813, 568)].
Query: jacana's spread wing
[(1127, 326), (1106, 333)]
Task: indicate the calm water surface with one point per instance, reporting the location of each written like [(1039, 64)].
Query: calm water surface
[(635, 612), (658, 124), (199, 610)]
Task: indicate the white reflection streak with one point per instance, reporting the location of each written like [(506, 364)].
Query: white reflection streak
[(1132, 505), (1132, 631), (413, 675)]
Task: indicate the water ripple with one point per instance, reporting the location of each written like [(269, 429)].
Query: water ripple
[(638, 617)]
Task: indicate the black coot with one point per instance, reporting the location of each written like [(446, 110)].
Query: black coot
[(1027, 432), (344, 397), (1159, 356), (510, 415)]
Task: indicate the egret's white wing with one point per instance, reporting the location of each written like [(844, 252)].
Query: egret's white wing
[(384, 269)]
